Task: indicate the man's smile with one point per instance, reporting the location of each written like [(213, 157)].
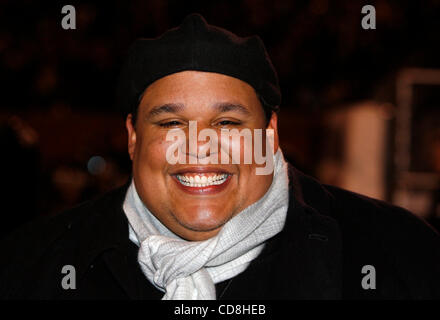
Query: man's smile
[(202, 180), (197, 180)]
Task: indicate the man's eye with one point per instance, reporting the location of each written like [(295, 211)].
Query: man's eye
[(228, 123), (170, 124)]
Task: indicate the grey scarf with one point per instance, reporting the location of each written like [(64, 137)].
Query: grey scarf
[(189, 269)]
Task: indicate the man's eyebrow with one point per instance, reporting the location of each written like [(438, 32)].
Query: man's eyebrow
[(227, 106), (166, 108), (176, 107)]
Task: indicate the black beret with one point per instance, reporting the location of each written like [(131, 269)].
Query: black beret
[(195, 45)]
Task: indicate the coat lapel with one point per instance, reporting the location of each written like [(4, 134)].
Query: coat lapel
[(106, 237), (315, 240)]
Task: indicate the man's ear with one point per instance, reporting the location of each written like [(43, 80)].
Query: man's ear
[(273, 124), (131, 135)]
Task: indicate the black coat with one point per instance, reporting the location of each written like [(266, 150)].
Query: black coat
[(330, 234)]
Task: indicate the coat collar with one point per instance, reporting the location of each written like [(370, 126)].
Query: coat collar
[(311, 236)]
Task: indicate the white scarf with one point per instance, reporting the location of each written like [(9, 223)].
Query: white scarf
[(188, 270)]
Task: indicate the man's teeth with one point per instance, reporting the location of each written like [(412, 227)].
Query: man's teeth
[(202, 181)]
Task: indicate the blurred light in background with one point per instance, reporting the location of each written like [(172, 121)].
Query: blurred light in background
[(96, 165)]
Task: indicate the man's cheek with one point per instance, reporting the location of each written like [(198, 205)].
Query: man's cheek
[(151, 153), (235, 149)]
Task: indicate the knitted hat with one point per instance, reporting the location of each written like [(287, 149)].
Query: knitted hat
[(196, 45)]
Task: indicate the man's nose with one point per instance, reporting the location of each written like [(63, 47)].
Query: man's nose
[(207, 146)]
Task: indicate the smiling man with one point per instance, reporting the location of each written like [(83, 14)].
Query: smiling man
[(206, 228), (216, 216)]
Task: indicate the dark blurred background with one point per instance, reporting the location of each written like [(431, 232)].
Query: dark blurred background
[(361, 108)]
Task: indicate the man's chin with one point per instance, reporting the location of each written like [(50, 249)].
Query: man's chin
[(200, 228)]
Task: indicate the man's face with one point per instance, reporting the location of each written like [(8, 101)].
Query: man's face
[(217, 102)]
